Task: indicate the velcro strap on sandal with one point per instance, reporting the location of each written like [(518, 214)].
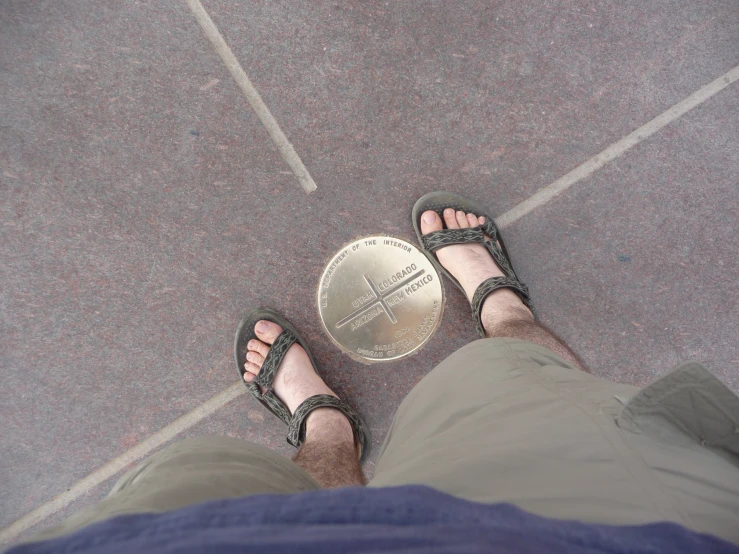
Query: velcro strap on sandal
[(271, 402), (493, 284), (296, 430), (274, 358), (446, 237)]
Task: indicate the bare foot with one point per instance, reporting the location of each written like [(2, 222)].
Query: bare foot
[(295, 380), (503, 314), (471, 264)]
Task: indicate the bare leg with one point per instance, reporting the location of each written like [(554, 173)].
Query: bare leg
[(503, 313), (329, 453)]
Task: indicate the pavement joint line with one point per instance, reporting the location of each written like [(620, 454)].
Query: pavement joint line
[(218, 401), (250, 92), (547, 193)]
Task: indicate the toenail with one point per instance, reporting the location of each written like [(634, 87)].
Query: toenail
[(449, 211), (429, 217), (482, 220), (262, 326)]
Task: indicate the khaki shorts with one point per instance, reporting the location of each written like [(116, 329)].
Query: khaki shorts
[(503, 420)]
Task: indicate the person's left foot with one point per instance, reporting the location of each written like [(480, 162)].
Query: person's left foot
[(295, 380)]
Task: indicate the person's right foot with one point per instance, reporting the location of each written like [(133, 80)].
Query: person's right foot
[(470, 264)]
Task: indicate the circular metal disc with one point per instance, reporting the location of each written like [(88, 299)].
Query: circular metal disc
[(380, 298)]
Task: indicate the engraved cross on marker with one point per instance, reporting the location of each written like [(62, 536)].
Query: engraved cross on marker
[(379, 299)]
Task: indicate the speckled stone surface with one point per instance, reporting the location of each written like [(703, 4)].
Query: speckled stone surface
[(133, 189), (389, 100), (636, 266), (144, 207)]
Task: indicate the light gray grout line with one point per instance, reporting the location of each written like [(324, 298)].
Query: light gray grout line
[(544, 195), (237, 389), (257, 104), (121, 462)]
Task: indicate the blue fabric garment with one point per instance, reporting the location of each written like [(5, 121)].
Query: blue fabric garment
[(397, 519)]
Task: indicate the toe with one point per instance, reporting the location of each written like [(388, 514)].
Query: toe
[(430, 221), (462, 220), (450, 218), (267, 331), (251, 372), (258, 346), (481, 220), (255, 358), (472, 220)]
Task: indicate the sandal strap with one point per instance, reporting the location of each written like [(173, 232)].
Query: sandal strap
[(501, 259), (474, 235), (446, 237), (271, 402), (296, 430), (490, 229), (493, 284), (274, 358)]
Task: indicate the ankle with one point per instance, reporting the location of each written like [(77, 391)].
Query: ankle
[(328, 425), (504, 305)]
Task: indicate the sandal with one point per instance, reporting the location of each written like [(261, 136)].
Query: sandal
[(268, 399), (438, 202)]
